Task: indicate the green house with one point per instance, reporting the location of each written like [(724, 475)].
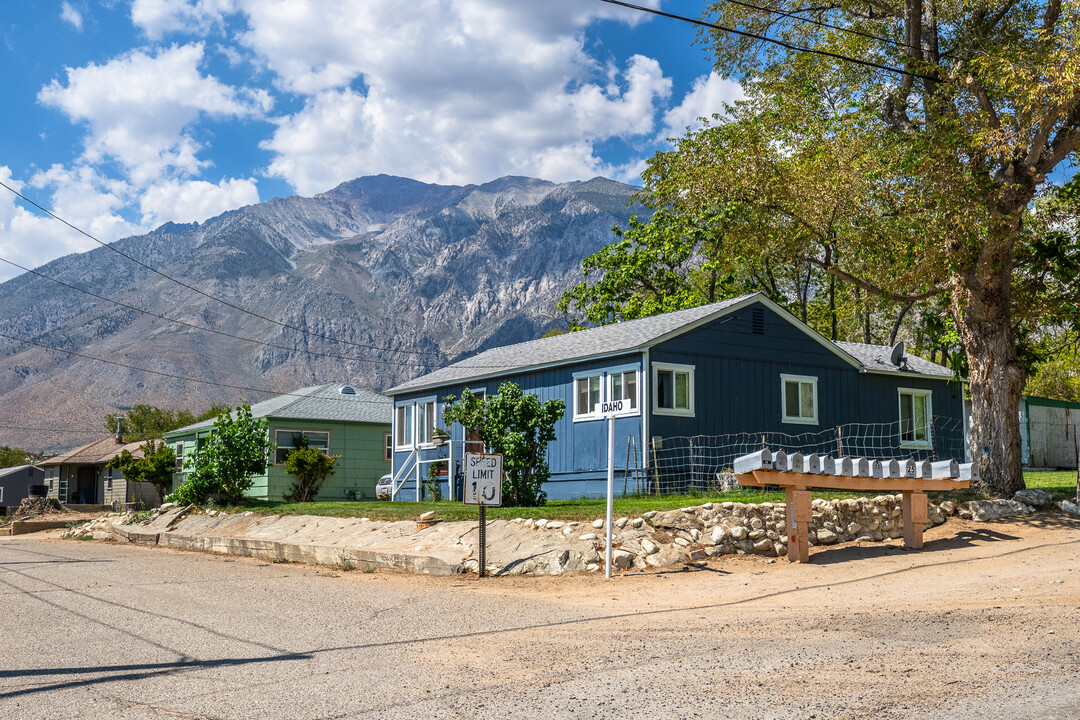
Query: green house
[(338, 419)]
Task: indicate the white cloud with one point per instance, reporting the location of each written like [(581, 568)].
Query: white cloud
[(706, 98), (450, 92), (194, 200), (139, 108), (71, 16), (158, 17), (81, 196)]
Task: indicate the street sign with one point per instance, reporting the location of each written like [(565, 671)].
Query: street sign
[(483, 479), (611, 408)]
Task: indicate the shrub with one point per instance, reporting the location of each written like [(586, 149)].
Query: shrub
[(235, 452), (310, 467)]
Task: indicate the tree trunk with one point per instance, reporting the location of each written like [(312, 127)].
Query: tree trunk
[(981, 309)]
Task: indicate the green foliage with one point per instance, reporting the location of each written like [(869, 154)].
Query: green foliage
[(310, 467), (156, 466), (236, 450), (1058, 378), (12, 456), (520, 427), (147, 422), (432, 488)]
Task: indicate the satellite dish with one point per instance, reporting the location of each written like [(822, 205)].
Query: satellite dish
[(896, 355)]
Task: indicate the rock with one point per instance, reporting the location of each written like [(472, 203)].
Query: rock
[(708, 506), (564, 557), (598, 523), (166, 506), (688, 510), (427, 516), (637, 522), (738, 533), (567, 530), (718, 534), (554, 525), (682, 542), (756, 523), (649, 546), (696, 555), (695, 534), (763, 546), (649, 515), (1070, 507), (714, 551), (621, 522), (756, 534), (676, 520), (587, 536), (540, 523), (983, 510), (826, 537), (622, 559), (592, 567), (1035, 497)]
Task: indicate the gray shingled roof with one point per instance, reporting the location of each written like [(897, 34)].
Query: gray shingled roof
[(594, 342), (318, 402), (876, 357), (634, 335), (13, 470)]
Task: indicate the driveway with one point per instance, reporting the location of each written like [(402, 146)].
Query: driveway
[(985, 622)]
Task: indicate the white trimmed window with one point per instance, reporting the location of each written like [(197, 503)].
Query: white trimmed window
[(799, 399), (388, 447), (179, 452), (915, 414), (595, 386), (286, 440), (586, 394), (403, 426), (425, 421), (673, 389), (623, 386)]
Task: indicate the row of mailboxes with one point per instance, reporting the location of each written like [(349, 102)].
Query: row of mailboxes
[(814, 464)]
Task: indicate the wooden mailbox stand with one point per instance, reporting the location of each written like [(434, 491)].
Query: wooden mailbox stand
[(799, 513)]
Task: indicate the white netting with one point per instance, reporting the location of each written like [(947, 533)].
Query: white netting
[(701, 463)]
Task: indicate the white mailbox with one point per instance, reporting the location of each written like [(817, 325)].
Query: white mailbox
[(945, 469), (756, 460)]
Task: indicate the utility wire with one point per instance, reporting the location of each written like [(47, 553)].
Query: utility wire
[(159, 372), (53, 430), (199, 327), (194, 289), (765, 38), (819, 23)]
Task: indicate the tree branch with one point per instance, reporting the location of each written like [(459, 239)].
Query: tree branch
[(828, 267), (1053, 11)]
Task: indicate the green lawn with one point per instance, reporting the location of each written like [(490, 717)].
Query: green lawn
[(1061, 484)]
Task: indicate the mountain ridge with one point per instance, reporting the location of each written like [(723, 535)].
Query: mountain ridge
[(426, 273)]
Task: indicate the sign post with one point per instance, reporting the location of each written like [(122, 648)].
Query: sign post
[(483, 487), (609, 410)]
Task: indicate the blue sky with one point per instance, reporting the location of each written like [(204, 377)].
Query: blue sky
[(124, 114)]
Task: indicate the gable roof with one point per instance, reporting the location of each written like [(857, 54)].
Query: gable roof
[(636, 335), (98, 452), (317, 402), (17, 468)]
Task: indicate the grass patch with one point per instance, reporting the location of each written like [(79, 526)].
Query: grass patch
[(1061, 484), (85, 537)]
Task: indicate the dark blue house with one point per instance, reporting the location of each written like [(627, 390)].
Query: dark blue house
[(704, 385)]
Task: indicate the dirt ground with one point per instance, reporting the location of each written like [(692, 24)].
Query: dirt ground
[(984, 622)]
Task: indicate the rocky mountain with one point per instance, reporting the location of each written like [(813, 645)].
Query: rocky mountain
[(406, 276)]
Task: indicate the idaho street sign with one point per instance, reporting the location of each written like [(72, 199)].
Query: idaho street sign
[(483, 479)]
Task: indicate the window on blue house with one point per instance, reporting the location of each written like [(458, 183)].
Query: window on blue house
[(403, 426), (799, 399), (587, 394), (915, 414), (673, 389), (623, 386)]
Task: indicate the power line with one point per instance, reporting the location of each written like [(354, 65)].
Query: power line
[(198, 327), (765, 38), (203, 293), (158, 372), (52, 430)]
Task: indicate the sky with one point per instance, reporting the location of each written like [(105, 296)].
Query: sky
[(125, 114)]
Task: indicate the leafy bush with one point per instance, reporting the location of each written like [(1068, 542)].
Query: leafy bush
[(156, 466), (520, 427), (310, 467), (235, 452)]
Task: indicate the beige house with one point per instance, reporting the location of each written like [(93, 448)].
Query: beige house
[(79, 476)]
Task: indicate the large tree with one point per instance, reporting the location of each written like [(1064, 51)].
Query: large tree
[(922, 181)]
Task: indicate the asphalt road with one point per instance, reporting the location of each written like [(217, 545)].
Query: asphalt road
[(985, 624)]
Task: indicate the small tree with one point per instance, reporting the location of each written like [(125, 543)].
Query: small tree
[(236, 450), (520, 427), (310, 467), (156, 466)]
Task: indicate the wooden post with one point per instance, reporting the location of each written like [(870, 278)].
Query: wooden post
[(798, 516), (915, 516)]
